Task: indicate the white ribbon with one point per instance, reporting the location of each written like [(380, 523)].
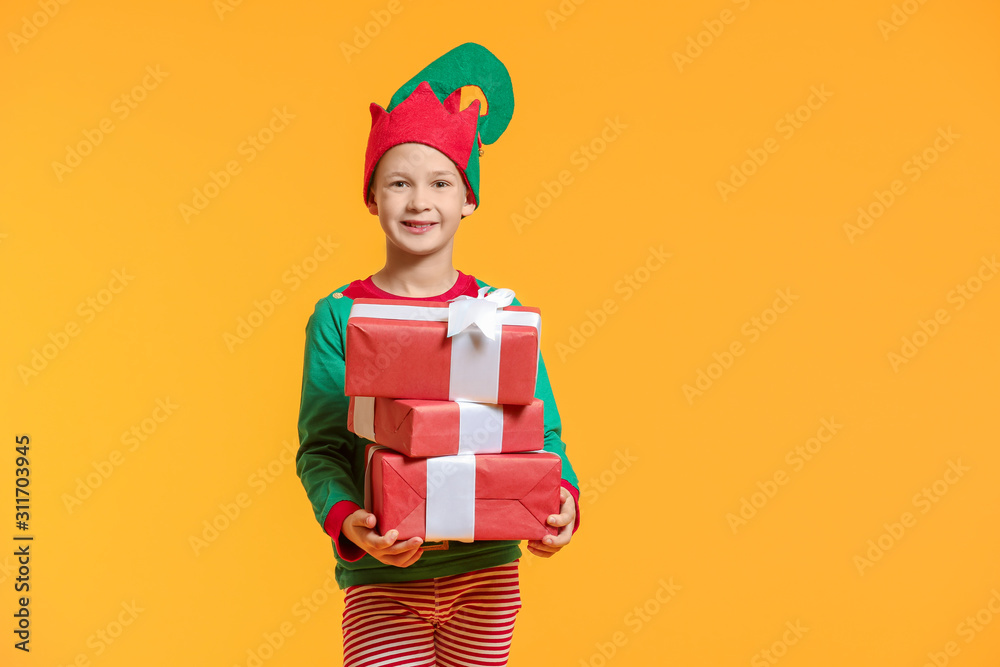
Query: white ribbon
[(480, 428), (368, 476), (475, 355), (451, 498), (465, 311), (387, 311), (364, 417)]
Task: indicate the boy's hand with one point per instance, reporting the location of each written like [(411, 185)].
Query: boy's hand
[(359, 528), (551, 544)]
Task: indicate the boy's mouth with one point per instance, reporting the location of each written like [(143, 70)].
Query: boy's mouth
[(417, 224)]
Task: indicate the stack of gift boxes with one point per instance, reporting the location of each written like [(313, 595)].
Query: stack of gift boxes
[(446, 393)]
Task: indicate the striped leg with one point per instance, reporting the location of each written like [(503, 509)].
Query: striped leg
[(387, 626), (478, 611)]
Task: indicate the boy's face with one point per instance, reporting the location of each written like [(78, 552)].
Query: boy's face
[(419, 197)]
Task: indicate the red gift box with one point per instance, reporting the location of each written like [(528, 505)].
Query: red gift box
[(396, 349), (418, 427), (511, 495)]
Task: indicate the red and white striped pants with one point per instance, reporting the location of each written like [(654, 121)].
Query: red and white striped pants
[(458, 620)]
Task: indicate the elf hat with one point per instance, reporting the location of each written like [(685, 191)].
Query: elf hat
[(426, 110)]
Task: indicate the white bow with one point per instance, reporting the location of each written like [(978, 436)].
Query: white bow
[(481, 311)]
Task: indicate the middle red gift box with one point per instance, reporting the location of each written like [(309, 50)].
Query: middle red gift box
[(465, 497), (422, 428)]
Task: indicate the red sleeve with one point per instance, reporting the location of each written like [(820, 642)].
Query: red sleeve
[(575, 492), (346, 549)]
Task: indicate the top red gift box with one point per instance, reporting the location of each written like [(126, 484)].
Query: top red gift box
[(464, 350)]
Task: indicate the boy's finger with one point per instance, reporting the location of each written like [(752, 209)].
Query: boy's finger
[(537, 549), (558, 541), (412, 559), (402, 554), (560, 520), (383, 541), (403, 547)]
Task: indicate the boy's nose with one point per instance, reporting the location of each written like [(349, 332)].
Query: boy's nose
[(418, 199)]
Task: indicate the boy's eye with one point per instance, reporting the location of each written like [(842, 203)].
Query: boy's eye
[(442, 184), (396, 183)]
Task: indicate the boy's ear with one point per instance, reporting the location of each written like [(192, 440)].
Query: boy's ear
[(470, 205), (373, 206)]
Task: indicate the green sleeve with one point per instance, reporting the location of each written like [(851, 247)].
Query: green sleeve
[(330, 459), (553, 424)]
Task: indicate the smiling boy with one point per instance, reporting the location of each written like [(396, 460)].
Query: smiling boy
[(406, 603), (420, 199)]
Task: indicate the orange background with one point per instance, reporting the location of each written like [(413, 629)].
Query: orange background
[(666, 471)]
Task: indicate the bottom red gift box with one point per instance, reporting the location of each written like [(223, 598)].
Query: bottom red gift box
[(464, 497)]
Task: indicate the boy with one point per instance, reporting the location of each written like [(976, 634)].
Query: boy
[(407, 604)]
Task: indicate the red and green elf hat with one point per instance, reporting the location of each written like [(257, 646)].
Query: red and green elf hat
[(426, 111)]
